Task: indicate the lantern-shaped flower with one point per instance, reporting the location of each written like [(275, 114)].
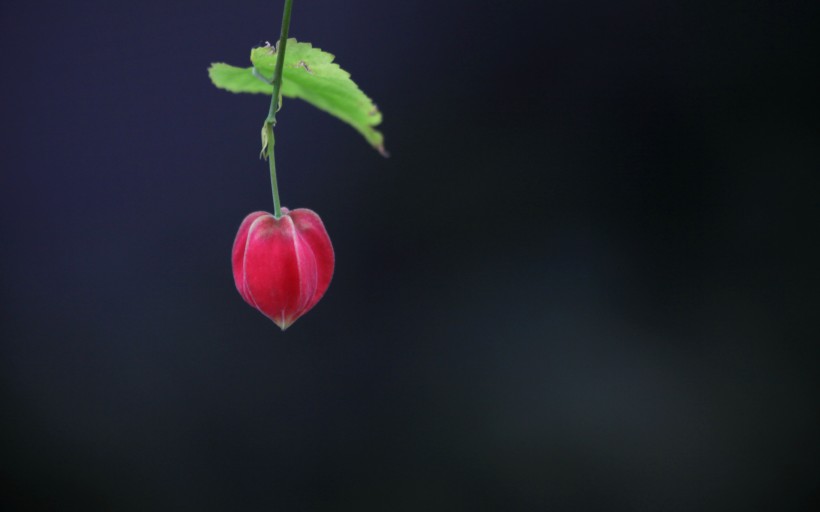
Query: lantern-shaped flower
[(283, 266)]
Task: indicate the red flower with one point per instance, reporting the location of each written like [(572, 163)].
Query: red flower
[(282, 267)]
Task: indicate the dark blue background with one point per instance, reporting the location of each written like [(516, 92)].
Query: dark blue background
[(584, 280)]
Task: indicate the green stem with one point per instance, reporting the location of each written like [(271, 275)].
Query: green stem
[(270, 121), (277, 207)]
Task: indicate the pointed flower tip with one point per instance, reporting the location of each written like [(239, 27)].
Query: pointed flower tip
[(282, 267)]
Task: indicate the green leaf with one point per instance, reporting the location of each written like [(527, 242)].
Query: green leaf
[(309, 74), (236, 79)]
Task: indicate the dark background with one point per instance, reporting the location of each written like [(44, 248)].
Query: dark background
[(584, 280)]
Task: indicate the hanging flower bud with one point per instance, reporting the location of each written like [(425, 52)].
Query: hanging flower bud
[(282, 267)]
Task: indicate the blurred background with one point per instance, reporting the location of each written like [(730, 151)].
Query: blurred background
[(585, 279)]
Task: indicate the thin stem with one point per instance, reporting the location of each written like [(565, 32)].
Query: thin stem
[(277, 207), (274, 103), (280, 62)]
